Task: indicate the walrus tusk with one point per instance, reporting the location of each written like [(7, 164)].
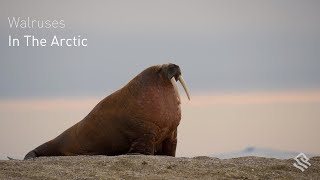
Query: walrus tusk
[(184, 86)]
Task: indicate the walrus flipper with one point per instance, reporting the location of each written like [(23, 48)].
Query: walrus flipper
[(10, 158), (170, 145), (32, 154), (49, 148), (143, 145)]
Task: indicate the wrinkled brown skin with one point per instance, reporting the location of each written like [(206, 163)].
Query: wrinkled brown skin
[(142, 117)]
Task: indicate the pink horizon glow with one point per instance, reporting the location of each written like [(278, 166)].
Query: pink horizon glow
[(254, 98)]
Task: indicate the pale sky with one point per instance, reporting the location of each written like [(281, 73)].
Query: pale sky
[(252, 68)]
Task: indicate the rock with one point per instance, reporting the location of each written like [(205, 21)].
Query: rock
[(155, 167)]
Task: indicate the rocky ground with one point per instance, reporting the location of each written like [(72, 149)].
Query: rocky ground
[(155, 167)]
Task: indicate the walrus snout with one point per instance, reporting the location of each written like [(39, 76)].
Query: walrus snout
[(174, 71)]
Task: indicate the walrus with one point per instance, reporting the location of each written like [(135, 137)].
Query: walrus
[(140, 118)]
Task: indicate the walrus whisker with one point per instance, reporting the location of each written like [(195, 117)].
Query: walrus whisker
[(184, 86)]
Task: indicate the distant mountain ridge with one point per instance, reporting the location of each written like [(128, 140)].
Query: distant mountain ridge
[(260, 152)]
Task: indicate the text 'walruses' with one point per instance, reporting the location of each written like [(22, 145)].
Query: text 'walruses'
[(142, 117)]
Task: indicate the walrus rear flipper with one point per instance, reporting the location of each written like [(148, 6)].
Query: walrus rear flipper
[(10, 158), (47, 149), (30, 155)]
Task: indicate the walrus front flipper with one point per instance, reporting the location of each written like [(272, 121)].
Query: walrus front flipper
[(143, 145), (169, 145), (30, 155)]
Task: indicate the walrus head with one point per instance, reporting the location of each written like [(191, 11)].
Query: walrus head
[(155, 89), (153, 95), (173, 73)]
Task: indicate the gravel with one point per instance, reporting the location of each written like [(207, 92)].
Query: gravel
[(155, 167)]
